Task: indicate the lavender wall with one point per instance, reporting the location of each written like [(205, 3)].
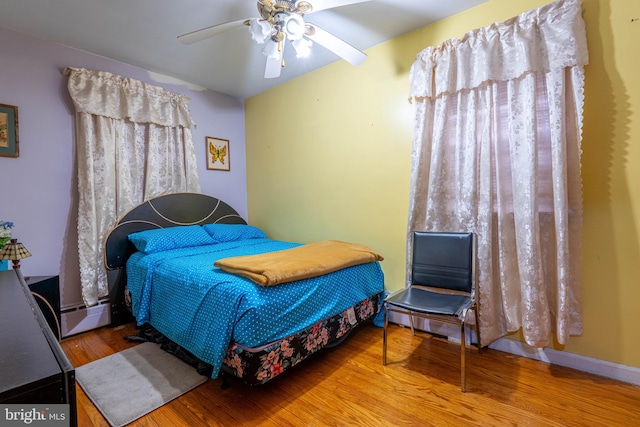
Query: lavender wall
[(39, 189)]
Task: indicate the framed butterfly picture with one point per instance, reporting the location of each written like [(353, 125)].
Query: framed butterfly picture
[(218, 154)]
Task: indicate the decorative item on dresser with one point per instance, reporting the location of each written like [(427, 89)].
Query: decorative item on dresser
[(5, 237), (14, 251), (35, 370)]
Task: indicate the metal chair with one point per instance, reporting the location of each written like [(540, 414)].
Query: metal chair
[(443, 285)]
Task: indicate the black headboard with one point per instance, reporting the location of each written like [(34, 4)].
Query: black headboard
[(168, 210)]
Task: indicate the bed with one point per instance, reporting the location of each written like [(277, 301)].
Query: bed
[(164, 251)]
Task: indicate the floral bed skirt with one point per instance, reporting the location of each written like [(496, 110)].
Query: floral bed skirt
[(260, 365)]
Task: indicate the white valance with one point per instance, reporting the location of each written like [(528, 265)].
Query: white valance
[(541, 40), (104, 94)]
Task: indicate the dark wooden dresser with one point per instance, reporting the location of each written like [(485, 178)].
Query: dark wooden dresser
[(33, 367)]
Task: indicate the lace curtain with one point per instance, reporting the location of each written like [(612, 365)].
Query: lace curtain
[(133, 142), (496, 151)]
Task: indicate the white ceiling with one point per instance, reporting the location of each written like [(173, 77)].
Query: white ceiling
[(143, 33)]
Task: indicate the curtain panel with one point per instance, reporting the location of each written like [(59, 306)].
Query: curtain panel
[(496, 151), (133, 142)]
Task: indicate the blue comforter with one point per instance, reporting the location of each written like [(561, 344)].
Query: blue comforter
[(202, 308)]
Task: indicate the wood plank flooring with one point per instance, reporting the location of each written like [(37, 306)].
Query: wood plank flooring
[(420, 386)]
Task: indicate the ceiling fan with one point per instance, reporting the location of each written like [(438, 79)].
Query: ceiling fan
[(282, 20)]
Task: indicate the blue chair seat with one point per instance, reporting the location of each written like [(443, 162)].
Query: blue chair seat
[(429, 302)]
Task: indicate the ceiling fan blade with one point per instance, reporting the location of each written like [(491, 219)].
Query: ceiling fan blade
[(335, 44), (273, 66), (205, 33), (317, 5)]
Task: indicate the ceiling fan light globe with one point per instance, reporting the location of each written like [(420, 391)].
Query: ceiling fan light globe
[(259, 30), (302, 47), (294, 26), (270, 49)]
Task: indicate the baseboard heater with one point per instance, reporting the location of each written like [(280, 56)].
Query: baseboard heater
[(80, 318)]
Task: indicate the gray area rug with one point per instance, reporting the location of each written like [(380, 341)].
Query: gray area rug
[(135, 381)]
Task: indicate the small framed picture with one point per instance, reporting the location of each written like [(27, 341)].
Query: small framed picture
[(9, 131), (218, 154)]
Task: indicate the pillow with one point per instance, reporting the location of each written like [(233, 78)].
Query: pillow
[(221, 233), (164, 239)]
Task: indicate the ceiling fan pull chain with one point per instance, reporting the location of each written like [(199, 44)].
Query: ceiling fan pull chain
[(280, 50)]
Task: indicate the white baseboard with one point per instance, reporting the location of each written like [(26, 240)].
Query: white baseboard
[(80, 318), (627, 374)]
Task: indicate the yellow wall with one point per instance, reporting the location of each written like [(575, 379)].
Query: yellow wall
[(328, 157)]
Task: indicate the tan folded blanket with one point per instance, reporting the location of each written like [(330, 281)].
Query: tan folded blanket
[(302, 262)]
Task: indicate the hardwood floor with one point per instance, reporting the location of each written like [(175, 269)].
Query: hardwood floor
[(420, 386)]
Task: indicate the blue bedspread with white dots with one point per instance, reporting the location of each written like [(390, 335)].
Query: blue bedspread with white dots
[(202, 308)]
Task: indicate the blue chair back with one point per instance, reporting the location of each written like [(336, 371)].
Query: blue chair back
[(443, 260)]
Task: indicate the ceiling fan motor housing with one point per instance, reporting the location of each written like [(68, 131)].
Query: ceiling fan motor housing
[(268, 9)]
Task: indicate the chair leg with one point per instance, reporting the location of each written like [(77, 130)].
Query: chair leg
[(413, 331), (384, 337), (463, 349)]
